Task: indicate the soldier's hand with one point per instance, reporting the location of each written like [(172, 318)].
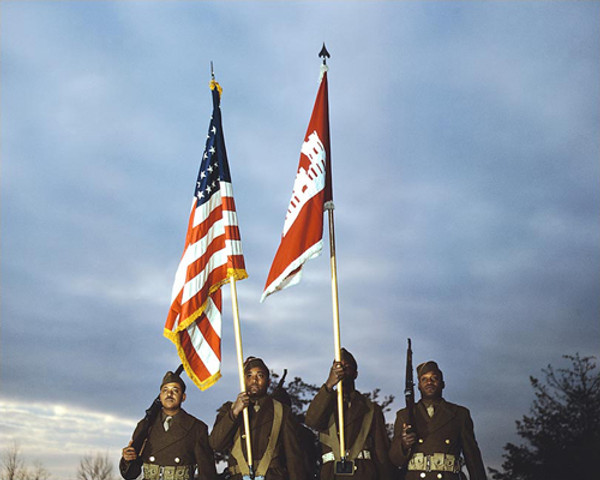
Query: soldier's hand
[(408, 439), (129, 452), (242, 401), (336, 373)]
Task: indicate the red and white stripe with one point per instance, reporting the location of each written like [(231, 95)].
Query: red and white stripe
[(212, 255)]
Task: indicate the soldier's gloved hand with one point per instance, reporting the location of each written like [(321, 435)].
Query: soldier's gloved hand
[(407, 439), (241, 402), (129, 453), (336, 373)]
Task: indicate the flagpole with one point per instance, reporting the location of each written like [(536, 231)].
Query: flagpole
[(240, 362), (239, 352), (336, 326), (324, 54)]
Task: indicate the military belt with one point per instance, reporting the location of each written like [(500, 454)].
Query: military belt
[(159, 472), (362, 455), (436, 462)]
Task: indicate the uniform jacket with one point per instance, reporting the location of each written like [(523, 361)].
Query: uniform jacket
[(449, 431), (319, 413), (185, 443), (287, 461)]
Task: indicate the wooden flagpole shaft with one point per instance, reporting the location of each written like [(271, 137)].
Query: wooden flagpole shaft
[(336, 327), (240, 362)]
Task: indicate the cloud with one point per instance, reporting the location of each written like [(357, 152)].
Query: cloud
[(464, 151), (59, 434)]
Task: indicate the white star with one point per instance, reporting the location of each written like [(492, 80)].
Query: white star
[(214, 129), (212, 150), (210, 168), (200, 195), (208, 189), (202, 174)]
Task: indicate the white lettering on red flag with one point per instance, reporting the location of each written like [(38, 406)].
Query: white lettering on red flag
[(302, 237), (212, 256)]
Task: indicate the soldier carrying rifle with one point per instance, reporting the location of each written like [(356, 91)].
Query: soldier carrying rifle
[(169, 444), (430, 444)]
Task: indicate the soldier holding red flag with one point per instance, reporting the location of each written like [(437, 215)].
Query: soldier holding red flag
[(366, 435)]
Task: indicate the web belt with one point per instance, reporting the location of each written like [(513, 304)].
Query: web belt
[(159, 472), (436, 462)]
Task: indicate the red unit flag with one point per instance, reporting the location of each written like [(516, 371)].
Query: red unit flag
[(302, 237), (211, 257)]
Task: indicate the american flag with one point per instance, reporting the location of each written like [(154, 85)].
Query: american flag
[(212, 257), (302, 237)]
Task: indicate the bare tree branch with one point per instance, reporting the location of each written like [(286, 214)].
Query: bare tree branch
[(95, 467)]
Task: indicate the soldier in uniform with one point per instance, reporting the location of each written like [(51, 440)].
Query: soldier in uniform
[(431, 448), (177, 442), (276, 452), (366, 438)]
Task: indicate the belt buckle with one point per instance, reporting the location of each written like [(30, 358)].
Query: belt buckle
[(256, 477)]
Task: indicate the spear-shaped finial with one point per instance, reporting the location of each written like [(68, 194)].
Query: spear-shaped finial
[(324, 54), (212, 72)]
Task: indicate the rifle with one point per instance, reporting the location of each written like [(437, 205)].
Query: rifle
[(409, 390), (280, 384), (409, 396), (133, 469)]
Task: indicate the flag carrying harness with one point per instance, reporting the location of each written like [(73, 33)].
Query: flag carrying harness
[(264, 463), (356, 451)]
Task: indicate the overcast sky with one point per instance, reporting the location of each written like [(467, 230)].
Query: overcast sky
[(465, 153)]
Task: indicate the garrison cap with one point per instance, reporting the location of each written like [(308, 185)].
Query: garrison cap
[(349, 357), (252, 362), (429, 366), (171, 377)]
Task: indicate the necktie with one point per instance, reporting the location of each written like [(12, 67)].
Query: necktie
[(430, 410), (167, 423)]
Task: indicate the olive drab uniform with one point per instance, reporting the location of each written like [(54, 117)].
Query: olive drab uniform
[(441, 438), (306, 437), (365, 432), (276, 451), (174, 454)]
